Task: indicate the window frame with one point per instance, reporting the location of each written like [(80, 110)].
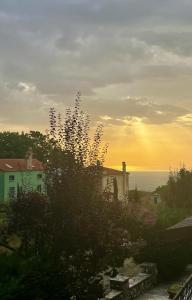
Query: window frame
[(12, 193), (39, 176), (39, 188), (11, 180)]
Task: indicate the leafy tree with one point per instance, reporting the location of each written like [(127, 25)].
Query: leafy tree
[(89, 239), (27, 217), (134, 196), (168, 216), (68, 238), (13, 144), (178, 190), (115, 189), (16, 145), (171, 258)]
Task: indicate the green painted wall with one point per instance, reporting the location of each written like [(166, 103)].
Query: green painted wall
[(1, 186), (27, 180)]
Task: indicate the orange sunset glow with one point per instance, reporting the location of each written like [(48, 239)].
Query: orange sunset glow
[(134, 74)]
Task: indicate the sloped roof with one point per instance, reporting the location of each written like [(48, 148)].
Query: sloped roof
[(185, 223), (109, 171), (15, 165)]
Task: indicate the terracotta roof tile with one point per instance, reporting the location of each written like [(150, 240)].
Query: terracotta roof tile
[(14, 165)]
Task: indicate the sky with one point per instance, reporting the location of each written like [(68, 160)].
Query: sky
[(131, 60)]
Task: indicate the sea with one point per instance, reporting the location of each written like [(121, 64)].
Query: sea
[(147, 180)]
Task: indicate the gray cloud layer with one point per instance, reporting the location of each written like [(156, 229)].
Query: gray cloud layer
[(59, 46), (127, 109)]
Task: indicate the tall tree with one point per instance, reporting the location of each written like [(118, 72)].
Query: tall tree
[(15, 144), (178, 190), (115, 189), (76, 234), (85, 232)]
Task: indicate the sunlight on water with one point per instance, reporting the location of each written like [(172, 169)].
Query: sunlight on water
[(148, 180)]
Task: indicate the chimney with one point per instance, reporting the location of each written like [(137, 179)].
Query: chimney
[(125, 179), (29, 158), (124, 166)]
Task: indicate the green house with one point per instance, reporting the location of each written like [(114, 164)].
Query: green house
[(20, 175)]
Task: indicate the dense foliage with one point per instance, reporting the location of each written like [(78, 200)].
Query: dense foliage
[(168, 249), (56, 246), (67, 238), (16, 145), (178, 190)]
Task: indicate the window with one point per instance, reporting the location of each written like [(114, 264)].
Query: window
[(39, 176), (11, 177), (11, 192), (19, 190), (39, 188)]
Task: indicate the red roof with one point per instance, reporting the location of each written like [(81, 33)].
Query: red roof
[(14, 165), (109, 171)]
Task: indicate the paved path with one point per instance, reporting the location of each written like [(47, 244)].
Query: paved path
[(158, 293)]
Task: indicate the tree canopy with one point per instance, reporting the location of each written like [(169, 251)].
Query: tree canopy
[(16, 145), (178, 190), (71, 235)]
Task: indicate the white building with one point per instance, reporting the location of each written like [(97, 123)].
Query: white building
[(156, 198), (112, 177)]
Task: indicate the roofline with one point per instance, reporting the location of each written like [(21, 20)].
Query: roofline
[(118, 171), (13, 171), (13, 165)]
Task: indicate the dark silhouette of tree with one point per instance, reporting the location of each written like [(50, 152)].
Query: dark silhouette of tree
[(84, 233), (135, 195), (27, 217), (178, 190), (73, 136), (15, 145), (70, 236), (115, 189)]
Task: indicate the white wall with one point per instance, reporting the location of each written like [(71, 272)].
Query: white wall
[(107, 183)]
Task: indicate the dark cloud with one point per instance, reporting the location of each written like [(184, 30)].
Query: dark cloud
[(176, 42), (62, 46)]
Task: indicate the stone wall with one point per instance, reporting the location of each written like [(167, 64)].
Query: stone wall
[(124, 288)]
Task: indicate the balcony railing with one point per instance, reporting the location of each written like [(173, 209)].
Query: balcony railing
[(186, 292)]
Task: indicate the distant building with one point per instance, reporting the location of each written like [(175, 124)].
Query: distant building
[(156, 198), (20, 174), (116, 180)]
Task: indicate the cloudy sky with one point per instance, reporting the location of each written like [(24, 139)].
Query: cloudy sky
[(131, 60)]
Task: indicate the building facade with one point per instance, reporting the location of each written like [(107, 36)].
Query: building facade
[(20, 175), (116, 181), (156, 198)]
